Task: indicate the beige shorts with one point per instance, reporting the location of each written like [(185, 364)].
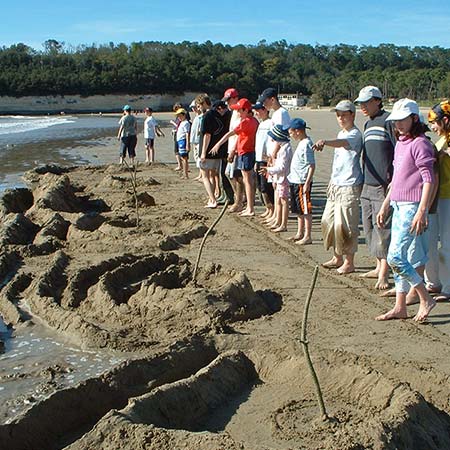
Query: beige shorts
[(340, 219)]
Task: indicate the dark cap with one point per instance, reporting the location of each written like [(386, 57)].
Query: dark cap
[(219, 104), (267, 93)]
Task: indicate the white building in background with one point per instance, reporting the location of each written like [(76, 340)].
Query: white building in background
[(292, 101)]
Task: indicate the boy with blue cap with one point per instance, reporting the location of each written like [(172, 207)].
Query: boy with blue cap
[(300, 181)]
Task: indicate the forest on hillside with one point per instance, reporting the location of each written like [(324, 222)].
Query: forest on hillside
[(325, 73)]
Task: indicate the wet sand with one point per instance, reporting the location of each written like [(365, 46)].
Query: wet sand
[(217, 364)]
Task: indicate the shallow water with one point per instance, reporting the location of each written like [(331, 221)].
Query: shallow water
[(36, 363)]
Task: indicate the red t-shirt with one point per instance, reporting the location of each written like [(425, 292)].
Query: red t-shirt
[(246, 131)]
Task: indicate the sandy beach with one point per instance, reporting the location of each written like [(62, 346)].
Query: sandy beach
[(206, 365)]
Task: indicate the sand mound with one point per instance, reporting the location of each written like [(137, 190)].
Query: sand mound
[(16, 201), (18, 230)]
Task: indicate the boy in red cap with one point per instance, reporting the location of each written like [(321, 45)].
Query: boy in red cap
[(245, 148)]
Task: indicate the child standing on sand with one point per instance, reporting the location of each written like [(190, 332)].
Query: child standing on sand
[(151, 130), (245, 148), (127, 135), (280, 170), (340, 219), (182, 136), (409, 196), (300, 181)]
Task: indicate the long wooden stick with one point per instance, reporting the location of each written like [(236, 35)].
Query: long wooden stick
[(304, 342), (199, 254), (133, 176)]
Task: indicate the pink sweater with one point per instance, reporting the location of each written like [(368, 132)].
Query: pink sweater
[(413, 166)]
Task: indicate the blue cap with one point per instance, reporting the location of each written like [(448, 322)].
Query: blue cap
[(267, 93), (298, 124), (258, 105), (279, 134), (126, 107)]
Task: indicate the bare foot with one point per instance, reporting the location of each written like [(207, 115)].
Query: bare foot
[(235, 208), (389, 293), (333, 263), (211, 205), (393, 314), (434, 290), (442, 297), (177, 169), (372, 274), (294, 238), (273, 225), (424, 310), (412, 299), (345, 269), (247, 214), (279, 229), (382, 283), (304, 241)]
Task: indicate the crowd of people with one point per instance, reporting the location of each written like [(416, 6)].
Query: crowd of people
[(390, 174)]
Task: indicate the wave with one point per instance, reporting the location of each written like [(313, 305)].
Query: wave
[(22, 124)]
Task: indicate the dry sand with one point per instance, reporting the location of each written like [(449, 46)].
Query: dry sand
[(217, 364)]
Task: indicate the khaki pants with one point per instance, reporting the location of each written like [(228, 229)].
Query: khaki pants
[(340, 219)]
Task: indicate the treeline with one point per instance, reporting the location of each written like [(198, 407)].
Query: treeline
[(326, 73)]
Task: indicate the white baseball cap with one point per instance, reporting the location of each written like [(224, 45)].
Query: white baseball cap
[(403, 108), (368, 92)]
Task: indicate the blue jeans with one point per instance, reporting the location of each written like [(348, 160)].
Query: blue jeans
[(405, 274)]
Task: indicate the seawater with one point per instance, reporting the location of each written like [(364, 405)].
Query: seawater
[(29, 141)]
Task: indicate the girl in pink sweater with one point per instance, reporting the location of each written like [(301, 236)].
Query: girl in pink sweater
[(410, 196)]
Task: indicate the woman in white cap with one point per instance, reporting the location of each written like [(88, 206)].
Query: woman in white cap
[(410, 197)]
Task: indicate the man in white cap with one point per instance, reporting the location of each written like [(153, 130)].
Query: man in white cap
[(340, 219), (377, 156)]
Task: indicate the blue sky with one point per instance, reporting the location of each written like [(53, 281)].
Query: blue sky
[(231, 22)]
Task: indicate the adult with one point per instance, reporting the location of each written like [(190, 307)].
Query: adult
[(377, 156), (215, 125), (340, 219), (439, 120), (127, 135)]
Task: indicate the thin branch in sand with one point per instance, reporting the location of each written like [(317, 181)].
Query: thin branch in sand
[(304, 342), (194, 276), (133, 176)]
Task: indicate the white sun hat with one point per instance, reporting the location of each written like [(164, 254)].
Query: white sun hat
[(403, 108)]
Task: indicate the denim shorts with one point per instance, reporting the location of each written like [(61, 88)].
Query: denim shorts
[(246, 161)]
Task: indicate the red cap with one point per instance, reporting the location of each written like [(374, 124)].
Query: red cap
[(230, 93), (243, 103)]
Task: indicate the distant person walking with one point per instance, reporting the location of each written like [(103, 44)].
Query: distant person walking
[(151, 130), (127, 135)]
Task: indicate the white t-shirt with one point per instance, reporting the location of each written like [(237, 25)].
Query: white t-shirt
[(195, 130), (234, 122), (301, 160), (262, 139), (346, 169), (281, 117), (150, 124), (183, 129)]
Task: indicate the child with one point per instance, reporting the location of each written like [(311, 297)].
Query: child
[(151, 130), (410, 195), (340, 219), (300, 181), (245, 147), (127, 135), (439, 120), (183, 132), (280, 170), (261, 147)]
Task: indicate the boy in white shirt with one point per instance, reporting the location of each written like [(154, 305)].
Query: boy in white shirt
[(300, 181), (340, 219), (151, 130)]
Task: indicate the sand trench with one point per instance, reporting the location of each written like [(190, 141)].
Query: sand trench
[(215, 367)]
